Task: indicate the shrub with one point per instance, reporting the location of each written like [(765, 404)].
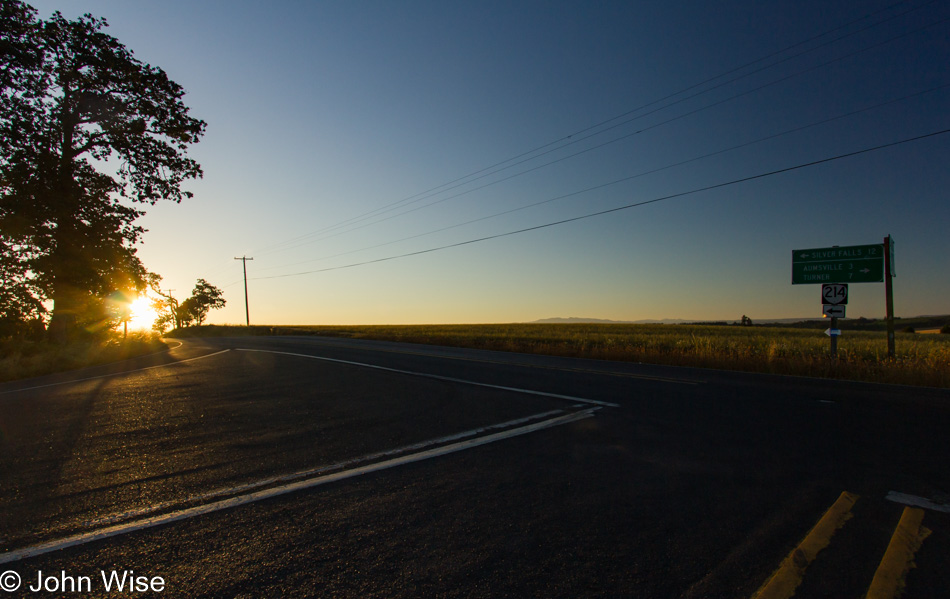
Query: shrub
[(22, 359)]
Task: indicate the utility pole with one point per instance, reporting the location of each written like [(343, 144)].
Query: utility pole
[(247, 312)]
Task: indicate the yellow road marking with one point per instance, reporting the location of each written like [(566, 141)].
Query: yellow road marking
[(899, 558), (784, 581)]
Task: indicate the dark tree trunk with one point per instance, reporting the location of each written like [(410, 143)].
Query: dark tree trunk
[(67, 293), (63, 324)]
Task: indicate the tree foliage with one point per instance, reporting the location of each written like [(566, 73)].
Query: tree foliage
[(166, 310), (204, 298), (74, 102), (20, 307)]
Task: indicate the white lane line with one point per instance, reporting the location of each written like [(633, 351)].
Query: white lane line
[(105, 376), (121, 529), (438, 377), (913, 500), (137, 513), (519, 364)]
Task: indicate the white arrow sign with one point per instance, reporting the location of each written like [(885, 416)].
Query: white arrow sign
[(833, 332), (833, 311)]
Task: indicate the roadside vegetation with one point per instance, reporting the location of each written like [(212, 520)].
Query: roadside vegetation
[(204, 298), (89, 137), (922, 360), (21, 358)]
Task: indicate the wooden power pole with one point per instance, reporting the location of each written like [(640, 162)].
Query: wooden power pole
[(247, 311)]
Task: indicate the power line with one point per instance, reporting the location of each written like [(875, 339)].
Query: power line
[(619, 208), (625, 179), (290, 244), (392, 206)]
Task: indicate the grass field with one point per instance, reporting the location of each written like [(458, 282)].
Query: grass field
[(23, 359), (922, 360)]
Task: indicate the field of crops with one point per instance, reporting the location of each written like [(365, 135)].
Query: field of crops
[(920, 360)]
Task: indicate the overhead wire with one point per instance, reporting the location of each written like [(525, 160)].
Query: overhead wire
[(613, 141), (634, 133), (619, 208), (623, 179), (291, 244), (482, 173)]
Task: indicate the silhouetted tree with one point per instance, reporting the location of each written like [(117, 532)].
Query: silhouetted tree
[(72, 96), (163, 320), (165, 306), (204, 298), (20, 307)]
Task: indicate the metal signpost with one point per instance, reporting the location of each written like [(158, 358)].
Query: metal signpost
[(835, 267), (889, 292)]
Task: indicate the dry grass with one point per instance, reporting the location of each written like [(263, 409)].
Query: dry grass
[(919, 360), (23, 359)]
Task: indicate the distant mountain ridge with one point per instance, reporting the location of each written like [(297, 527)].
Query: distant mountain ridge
[(577, 320), (574, 319)]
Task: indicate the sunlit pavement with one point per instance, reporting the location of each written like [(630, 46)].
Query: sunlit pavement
[(396, 470)]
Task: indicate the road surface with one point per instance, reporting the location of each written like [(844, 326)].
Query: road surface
[(318, 467)]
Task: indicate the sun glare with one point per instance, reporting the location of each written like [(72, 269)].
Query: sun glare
[(143, 315)]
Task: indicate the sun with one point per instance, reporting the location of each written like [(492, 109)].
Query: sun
[(143, 315)]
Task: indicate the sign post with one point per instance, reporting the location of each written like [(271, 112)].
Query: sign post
[(837, 266), (889, 292), (834, 337)]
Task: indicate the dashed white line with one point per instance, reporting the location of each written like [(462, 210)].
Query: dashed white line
[(438, 377)]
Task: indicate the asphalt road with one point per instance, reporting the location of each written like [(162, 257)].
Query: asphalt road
[(316, 467)]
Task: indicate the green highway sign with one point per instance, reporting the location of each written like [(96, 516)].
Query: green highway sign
[(850, 264)]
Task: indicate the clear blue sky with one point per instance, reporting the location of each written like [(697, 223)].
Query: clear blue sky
[(319, 112)]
